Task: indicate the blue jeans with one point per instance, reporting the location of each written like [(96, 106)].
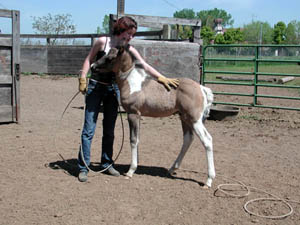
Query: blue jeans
[(96, 94)]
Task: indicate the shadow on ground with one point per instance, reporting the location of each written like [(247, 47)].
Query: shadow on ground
[(70, 167)]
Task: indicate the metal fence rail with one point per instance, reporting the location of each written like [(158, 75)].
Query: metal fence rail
[(255, 57)]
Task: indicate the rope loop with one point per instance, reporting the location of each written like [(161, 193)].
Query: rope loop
[(247, 188)]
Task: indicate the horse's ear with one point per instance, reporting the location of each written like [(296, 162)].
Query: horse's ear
[(121, 49)]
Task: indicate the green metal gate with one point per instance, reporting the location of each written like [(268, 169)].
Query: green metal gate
[(256, 68)]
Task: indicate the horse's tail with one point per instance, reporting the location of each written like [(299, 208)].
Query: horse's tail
[(208, 100)]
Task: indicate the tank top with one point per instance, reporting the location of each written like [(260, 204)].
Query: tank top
[(107, 77)]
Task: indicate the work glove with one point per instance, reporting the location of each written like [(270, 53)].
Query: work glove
[(82, 85), (166, 81)]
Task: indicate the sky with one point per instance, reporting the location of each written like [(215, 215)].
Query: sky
[(87, 15)]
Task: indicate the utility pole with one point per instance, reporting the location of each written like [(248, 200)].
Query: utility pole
[(260, 35), (120, 7), (120, 11), (260, 38)]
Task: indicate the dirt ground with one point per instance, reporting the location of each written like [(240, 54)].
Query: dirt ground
[(259, 148)]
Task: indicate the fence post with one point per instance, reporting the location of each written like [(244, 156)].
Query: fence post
[(255, 80), (16, 63), (197, 37), (200, 58), (92, 41), (166, 31)]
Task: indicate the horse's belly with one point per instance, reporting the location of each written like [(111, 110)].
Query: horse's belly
[(149, 107), (155, 113)]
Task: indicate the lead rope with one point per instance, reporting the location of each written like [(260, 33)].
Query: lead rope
[(247, 188), (81, 151)]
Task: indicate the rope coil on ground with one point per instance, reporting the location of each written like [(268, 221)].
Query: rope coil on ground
[(245, 187)]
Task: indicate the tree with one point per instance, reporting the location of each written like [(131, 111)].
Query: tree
[(184, 32), (185, 14), (291, 37), (105, 24), (258, 32), (231, 36), (98, 30), (219, 39), (207, 34), (208, 16), (238, 35), (57, 24), (279, 33), (297, 28), (296, 24)]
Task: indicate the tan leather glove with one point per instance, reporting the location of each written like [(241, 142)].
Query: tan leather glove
[(82, 85), (166, 81)]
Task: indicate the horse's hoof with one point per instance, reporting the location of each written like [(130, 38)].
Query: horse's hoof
[(205, 187), (172, 172), (128, 176)]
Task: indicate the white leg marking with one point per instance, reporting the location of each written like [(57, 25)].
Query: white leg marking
[(134, 125), (134, 159), (206, 140)]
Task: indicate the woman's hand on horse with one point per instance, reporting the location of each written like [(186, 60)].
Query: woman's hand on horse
[(168, 81)]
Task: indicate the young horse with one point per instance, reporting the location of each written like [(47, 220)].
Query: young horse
[(143, 96)]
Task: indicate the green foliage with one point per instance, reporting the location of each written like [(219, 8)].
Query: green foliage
[(207, 17), (239, 36), (279, 31), (219, 39), (185, 32), (185, 14), (257, 31), (297, 30), (231, 36), (105, 24), (98, 30), (290, 34), (207, 34)]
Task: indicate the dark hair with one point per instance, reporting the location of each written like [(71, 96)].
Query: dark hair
[(123, 24)]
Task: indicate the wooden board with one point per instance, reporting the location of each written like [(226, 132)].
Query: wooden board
[(10, 70)]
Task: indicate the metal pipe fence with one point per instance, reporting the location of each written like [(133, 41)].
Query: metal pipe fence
[(253, 63)]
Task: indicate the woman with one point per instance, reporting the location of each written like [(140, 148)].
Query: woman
[(103, 89)]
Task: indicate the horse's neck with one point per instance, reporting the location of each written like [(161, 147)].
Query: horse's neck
[(124, 72), (131, 81)]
